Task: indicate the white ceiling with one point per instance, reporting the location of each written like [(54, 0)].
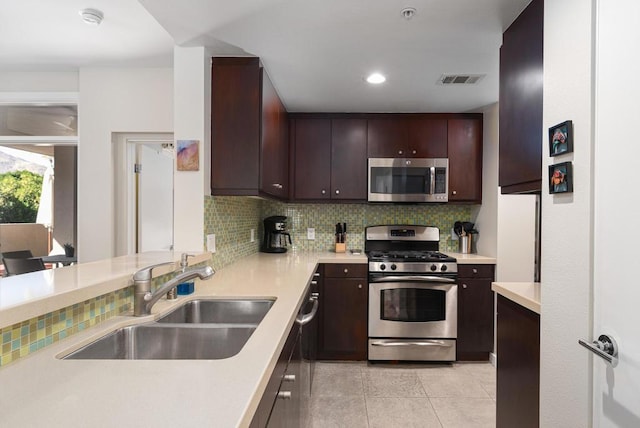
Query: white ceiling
[(317, 52)]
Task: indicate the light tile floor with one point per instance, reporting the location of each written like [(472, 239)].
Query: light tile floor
[(357, 394)]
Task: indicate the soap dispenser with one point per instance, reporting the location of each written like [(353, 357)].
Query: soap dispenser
[(185, 288)]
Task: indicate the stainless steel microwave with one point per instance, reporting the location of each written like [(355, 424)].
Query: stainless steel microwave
[(408, 180)]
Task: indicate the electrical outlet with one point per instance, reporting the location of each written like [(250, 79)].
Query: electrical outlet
[(211, 243), (253, 235), (311, 233)]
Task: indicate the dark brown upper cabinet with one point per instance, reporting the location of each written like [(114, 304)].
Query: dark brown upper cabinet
[(312, 158), (521, 136), (330, 158), (407, 136), (465, 159), (349, 159), (249, 140)]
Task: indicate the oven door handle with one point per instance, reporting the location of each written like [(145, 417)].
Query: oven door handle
[(439, 343), (414, 278)]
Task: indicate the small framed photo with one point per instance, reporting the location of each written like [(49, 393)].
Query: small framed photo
[(188, 155), (561, 178), (561, 138)]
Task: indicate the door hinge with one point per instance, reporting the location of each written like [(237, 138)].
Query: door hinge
[(137, 168)]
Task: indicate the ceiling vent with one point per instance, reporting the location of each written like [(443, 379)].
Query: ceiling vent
[(460, 79)]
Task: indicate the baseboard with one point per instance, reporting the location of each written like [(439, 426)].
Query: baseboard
[(493, 359)]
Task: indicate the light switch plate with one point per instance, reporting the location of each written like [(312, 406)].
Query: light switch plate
[(253, 235), (211, 243), (311, 233)]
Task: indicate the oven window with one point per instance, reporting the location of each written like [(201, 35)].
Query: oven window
[(412, 304)]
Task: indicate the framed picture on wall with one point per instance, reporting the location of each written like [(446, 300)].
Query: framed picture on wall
[(561, 178), (561, 138)]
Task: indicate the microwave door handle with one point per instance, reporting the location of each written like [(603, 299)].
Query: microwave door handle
[(432, 183), (413, 278)]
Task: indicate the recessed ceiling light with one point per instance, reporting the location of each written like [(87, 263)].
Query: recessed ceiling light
[(376, 78), (91, 16)]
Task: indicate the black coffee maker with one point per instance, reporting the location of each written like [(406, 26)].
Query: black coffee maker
[(275, 235)]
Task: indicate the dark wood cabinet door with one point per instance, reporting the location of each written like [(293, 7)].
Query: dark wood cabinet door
[(465, 160), (349, 159), (343, 329), (274, 159), (427, 138), (387, 137), (518, 381), (520, 108), (235, 125), (312, 158), (475, 319)]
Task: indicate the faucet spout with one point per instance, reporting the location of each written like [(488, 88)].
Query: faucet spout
[(143, 306)]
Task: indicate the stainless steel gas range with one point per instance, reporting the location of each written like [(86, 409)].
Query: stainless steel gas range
[(413, 296)]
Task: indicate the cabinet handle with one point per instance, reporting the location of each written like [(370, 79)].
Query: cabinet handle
[(464, 285), (289, 378), (316, 274), (360, 286), (399, 152), (323, 191), (277, 185), (453, 192), (413, 152), (475, 270), (314, 282), (346, 270), (284, 395), (315, 295), (337, 192)]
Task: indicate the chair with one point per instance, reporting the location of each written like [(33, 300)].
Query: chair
[(20, 254), (18, 266)]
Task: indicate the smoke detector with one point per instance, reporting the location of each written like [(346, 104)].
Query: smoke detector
[(91, 16), (408, 12)]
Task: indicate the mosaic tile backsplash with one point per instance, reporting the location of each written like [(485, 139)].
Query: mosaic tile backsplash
[(323, 217)]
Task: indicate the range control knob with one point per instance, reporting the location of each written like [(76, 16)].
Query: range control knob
[(433, 267), (394, 267), (383, 266), (443, 268)]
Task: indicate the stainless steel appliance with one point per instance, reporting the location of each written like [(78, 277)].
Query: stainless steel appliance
[(413, 296), (275, 235), (408, 180)]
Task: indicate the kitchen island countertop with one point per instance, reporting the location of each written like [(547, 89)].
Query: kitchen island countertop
[(43, 390), (526, 294)]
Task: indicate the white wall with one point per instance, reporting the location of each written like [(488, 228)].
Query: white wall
[(565, 379), (192, 118), (63, 81), (65, 197), (113, 100), (486, 218), (516, 238)]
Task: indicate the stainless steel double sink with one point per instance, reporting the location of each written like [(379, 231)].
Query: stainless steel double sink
[(204, 329)]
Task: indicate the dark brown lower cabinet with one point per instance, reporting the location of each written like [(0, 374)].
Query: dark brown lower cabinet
[(277, 404), (518, 382), (343, 313), (475, 312)]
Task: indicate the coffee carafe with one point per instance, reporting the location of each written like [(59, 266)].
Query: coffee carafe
[(275, 235)]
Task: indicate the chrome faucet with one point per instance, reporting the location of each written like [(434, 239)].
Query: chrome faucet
[(143, 299)]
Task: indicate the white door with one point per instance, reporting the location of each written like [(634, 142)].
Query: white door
[(616, 389), (155, 197)]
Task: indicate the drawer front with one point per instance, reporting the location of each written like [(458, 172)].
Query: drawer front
[(345, 270), (476, 271)]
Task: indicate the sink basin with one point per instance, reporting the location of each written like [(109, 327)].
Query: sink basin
[(222, 311), (164, 342)]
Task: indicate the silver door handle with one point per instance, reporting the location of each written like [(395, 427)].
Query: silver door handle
[(306, 318), (416, 343), (605, 347), (413, 278)]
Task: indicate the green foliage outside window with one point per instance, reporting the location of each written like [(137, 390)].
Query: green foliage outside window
[(19, 196)]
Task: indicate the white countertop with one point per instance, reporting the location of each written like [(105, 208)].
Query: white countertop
[(41, 390), (526, 294), (472, 259)]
